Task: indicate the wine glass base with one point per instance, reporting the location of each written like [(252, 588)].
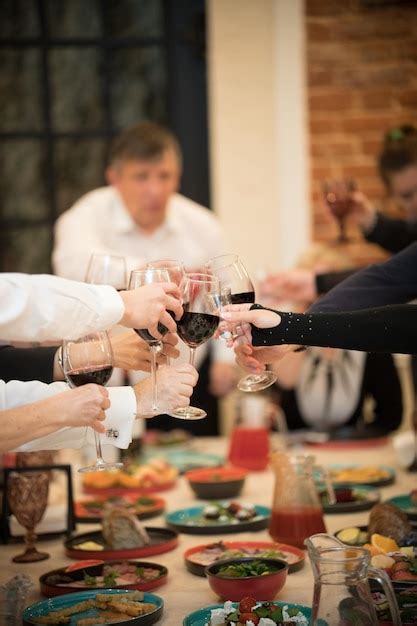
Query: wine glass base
[(100, 467), (189, 413), (30, 556), (256, 382)]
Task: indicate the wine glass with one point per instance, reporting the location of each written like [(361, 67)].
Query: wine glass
[(139, 278), (106, 269), (90, 360), (337, 195), (233, 276), (27, 494), (176, 272), (198, 323)]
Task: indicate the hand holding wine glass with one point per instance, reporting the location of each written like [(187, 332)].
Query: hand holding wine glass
[(338, 197), (198, 323), (234, 277), (90, 360)]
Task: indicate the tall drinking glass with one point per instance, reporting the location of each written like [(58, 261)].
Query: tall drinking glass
[(200, 293), (139, 278), (90, 360), (233, 276)]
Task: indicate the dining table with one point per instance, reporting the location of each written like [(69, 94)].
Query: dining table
[(185, 592)]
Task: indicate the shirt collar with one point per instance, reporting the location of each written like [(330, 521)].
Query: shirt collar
[(123, 222)]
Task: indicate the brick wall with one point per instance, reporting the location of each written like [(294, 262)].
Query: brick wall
[(362, 80)]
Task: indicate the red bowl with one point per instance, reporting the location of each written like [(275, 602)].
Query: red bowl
[(262, 587), (216, 483)]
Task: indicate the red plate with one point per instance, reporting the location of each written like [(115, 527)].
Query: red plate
[(50, 588), (122, 491), (197, 568), (162, 540), (84, 515)]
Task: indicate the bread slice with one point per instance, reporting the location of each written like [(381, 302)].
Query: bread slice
[(122, 530)]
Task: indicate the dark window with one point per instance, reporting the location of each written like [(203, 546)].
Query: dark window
[(74, 73)]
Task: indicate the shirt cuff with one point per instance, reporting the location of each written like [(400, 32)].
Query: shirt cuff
[(120, 418), (112, 307)]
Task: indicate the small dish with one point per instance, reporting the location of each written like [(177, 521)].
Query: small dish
[(375, 475), (201, 556), (59, 603), (216, 483), (139, 575), (361, 499), (263, 586), (90, 511), (193, 522), (201, 617), (77, 547), (405, 504)]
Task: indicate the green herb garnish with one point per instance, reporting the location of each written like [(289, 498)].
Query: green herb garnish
[(110, 579), (251, 568), (90, 580)]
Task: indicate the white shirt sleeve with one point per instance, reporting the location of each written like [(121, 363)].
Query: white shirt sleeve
[(48, 308), (119, 417)]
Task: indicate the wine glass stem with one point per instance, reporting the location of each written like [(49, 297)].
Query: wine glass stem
[(154, 366), (342, 235), (192, 355), (99, 452)]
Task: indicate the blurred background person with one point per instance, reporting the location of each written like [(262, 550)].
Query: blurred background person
[(140, 215), (346, 393)]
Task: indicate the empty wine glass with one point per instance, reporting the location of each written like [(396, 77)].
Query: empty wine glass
[(338, 197), (233, 276), (106, 269), (90, 360), (27, 494), (139, 278), (198, 323)]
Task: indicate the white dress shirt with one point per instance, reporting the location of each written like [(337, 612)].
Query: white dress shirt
[(119, 417), (99, 223), (48, 308)]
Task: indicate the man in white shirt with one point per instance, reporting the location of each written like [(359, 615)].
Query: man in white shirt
[(141, 216), (52, 308)]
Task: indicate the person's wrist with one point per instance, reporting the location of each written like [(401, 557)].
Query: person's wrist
[(368, 218), (58, 366)]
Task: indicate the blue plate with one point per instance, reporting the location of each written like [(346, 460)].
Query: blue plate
[(387, 479), (191, 521), (185, 460), (202, 616), (405, 504), (61, 602)]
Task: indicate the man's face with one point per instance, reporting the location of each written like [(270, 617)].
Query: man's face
[(403, 186), (146, 186)]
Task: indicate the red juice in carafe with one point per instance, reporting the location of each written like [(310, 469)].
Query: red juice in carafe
[(249, 448), (293, 525)]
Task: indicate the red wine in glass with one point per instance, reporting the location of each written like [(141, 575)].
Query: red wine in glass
[(196, 328), (243, 298), (99, 376), (338, 197)]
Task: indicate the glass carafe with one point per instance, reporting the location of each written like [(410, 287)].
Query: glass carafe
[(249, 440), (296, 507), (342, 596)]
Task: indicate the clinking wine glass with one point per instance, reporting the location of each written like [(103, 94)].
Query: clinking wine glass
[(139, 278), (233, 276), (90, 360), (198, 323), (338, 197), (107, 269), (28, 496), (176, 272)]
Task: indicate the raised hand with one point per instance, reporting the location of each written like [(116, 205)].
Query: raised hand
[(130, 352), (149, 305)]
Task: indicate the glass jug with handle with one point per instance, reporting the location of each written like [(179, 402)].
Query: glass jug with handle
[(342, 596), (296, 507)]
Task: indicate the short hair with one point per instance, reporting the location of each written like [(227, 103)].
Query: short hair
[(398, 151), (146, 141)]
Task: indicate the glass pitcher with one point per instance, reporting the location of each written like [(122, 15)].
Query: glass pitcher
[(296, 507), (249, 440), (342, 596)]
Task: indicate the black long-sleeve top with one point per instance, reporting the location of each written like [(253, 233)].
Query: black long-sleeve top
[(383, 329), (27, 363)]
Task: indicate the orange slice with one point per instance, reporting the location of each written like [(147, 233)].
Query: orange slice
[(384, 544), (374, 551)]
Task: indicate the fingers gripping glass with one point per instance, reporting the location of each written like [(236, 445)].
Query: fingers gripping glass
[(198, 323), (234, 277), (139, 278), (90, 360)]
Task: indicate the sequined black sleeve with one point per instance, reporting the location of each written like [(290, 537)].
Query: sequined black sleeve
[(382, 329)]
